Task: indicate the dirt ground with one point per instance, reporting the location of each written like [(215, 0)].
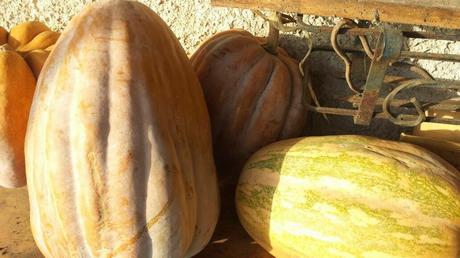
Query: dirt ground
[(229, 241), (15, 236)]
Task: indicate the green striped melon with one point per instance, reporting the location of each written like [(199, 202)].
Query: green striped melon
[(350, 197)]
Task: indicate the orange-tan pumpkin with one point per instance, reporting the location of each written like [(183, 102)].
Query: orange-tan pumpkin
[(22, 54), (118, 147), (254, 96)]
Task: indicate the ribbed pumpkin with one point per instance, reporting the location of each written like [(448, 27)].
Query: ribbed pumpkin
[(254, 96), (350, 196), (22, 56), (118, 147)]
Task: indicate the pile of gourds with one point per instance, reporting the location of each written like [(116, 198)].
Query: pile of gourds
[(125, 133)]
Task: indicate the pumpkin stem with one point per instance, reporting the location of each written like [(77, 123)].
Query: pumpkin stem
[(273, 38)]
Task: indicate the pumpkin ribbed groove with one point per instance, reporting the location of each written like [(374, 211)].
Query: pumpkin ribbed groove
[(296, 106), (258, 90), (226, 127)]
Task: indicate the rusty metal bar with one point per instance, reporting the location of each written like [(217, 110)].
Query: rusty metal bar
[(401, 102), (333, 111), (429, 118), (345, 31), (431, 35), (374, 32), (355, 100), (329, 48), (353, 112), (431, 56), (388, 48), (354, 31), (404, 54)]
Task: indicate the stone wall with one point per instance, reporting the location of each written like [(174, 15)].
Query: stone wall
[(194, 21)]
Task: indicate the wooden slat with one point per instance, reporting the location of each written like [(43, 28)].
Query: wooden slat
[(439, 13), (448, 132)]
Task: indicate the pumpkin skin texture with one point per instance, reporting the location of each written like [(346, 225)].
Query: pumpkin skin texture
[(350, 196), (253, 97), (118, 147), (17, 85)]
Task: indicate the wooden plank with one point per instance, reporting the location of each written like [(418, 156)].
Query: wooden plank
[(438, 13), (448, 132)]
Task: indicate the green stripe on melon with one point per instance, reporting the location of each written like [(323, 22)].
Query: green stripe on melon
[(350, 196)]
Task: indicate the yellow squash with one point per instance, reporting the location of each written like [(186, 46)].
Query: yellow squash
[(350, 196)]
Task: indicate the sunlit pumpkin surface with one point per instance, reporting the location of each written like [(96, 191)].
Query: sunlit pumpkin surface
[(350, 196), (118, 146)]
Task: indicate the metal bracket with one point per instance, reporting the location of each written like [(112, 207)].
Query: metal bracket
[(387, 51), (388, 48)]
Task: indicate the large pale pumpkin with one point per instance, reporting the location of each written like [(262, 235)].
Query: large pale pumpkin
[(350, 196), (254, 97), (118, 147), (22, 54)]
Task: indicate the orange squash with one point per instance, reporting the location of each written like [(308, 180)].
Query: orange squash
[(17, 84), (29, 37), (22, 56), (254, 96), (25, 32), (118, 147)]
